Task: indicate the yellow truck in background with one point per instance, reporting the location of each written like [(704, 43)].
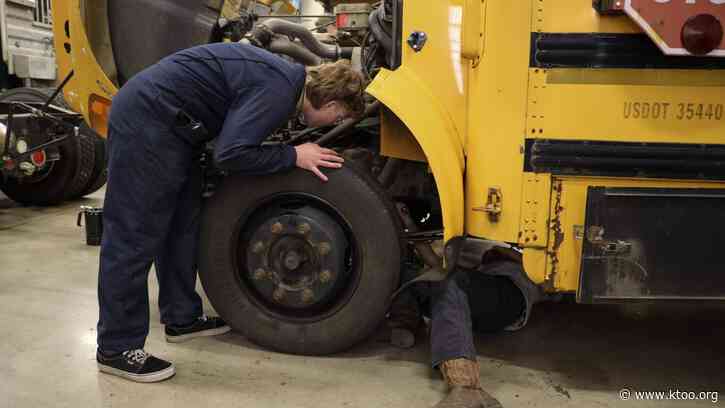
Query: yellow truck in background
[(587, 139)]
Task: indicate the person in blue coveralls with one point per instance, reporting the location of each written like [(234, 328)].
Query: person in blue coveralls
[(159, 123)]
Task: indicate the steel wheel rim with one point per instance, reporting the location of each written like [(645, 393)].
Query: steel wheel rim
[(311, 288)]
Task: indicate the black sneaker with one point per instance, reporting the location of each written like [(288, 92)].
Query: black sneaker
[(202, 326), (136, 365)]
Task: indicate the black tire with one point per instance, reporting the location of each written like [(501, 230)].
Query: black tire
[(85, 162), (375, 260), (99, 175), (68, 176)]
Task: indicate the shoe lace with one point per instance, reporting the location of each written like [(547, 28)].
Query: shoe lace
[(138, 356)]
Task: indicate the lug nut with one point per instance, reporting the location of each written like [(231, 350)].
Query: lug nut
[(324, 248), (304, 228), (307, 295), (277, 228), (258, 247), (278, 294), (325, 276), (260, 274)]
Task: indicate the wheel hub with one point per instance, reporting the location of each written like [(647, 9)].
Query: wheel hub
[(296, 260), (292, 260)]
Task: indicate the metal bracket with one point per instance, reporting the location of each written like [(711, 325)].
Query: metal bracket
[(618, 247), (37, 113), (494, 204), (423, 236), (595, 236)]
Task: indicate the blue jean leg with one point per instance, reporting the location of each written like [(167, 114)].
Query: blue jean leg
[(451, 326)]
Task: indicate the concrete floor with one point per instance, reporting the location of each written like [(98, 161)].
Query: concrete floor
[(571, 355)]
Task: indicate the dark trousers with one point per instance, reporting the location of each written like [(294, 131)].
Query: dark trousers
[(468, 302), (451, 330), (151, 215)]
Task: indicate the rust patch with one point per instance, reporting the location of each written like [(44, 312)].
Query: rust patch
[(558, 235)]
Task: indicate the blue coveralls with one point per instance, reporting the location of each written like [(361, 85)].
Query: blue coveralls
[(240, 94)]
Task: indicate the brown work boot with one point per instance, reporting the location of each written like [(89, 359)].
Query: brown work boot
[(462, 377)]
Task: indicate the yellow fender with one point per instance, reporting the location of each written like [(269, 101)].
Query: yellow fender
[(90, 90), (413, 102)]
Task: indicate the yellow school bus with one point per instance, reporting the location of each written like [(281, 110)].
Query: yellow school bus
[(587, 139)]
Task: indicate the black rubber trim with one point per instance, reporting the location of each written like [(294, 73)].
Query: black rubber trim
[(397, 55), (616, 159), (598, 50)]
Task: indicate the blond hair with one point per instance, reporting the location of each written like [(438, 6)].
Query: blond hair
[(337, 81)]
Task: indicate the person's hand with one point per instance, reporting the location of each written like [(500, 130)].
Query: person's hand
[(311, 157)]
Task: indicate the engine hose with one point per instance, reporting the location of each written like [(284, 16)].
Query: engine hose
[(291, 29), (384, 21), (346, 125), (281, 45)]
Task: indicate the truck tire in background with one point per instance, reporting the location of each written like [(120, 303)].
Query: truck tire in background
[(99, 171), (299, 265), (100, 167), (74, 175)]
